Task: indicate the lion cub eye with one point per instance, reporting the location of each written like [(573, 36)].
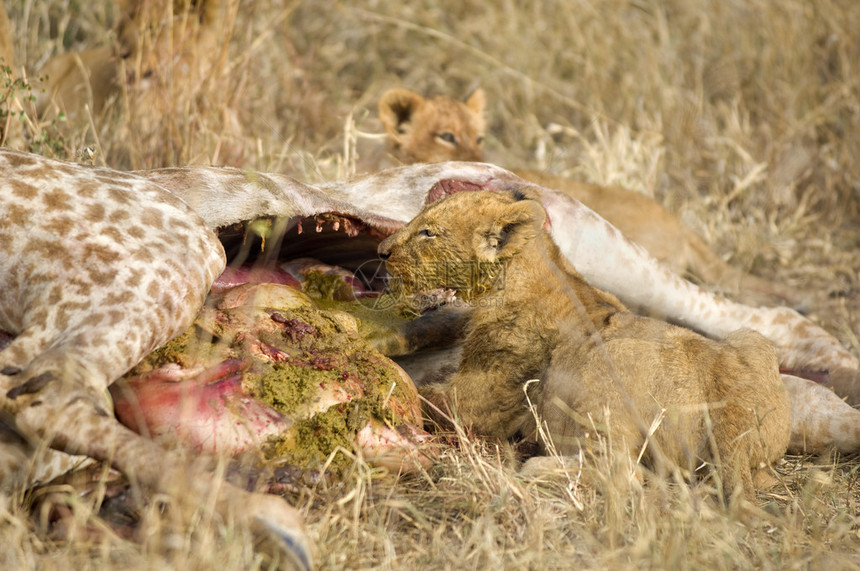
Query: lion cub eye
[(448, 138), (427, 233), (479, 140)]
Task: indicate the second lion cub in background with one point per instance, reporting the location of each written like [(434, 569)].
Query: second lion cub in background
[(440, 129)]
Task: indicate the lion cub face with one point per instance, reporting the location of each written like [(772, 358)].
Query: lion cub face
[(461, 243), (433, 130)]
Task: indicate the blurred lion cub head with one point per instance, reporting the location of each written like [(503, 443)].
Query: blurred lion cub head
[(434, 129)]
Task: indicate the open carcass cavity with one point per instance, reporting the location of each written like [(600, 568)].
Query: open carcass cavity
[(284, 356)]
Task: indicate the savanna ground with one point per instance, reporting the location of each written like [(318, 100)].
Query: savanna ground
[(743, 117)]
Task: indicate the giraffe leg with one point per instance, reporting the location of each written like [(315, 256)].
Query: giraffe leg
[(846, 384), (820, 420), (51, 401), (15, 454)]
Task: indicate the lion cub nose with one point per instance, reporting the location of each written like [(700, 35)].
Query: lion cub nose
[(384, 249)]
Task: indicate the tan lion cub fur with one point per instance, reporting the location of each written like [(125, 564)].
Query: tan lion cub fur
[(7, 54), (154, 38), (10, 128), (436, 129), (535, 317)]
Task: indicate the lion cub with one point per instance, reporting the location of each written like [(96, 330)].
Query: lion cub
[(599, 364), (433, 130), (149, 47), (422, 130)]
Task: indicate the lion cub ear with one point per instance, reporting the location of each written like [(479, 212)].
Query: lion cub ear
[(514, 226), (476, 102), (397, 107)]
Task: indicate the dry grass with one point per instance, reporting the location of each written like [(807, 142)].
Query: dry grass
[(741, 116)]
